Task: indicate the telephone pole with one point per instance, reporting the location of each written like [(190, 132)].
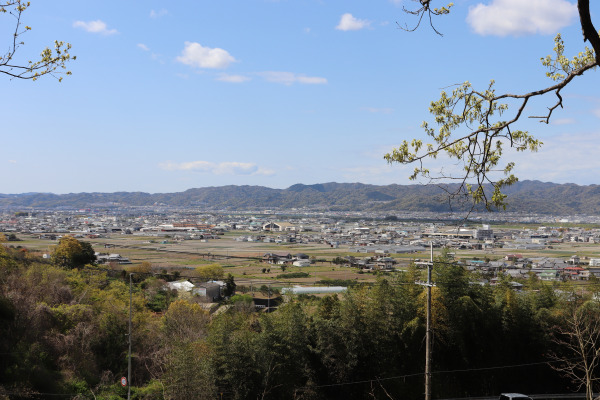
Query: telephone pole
[(428, 342), (129, 355), (428, 331)]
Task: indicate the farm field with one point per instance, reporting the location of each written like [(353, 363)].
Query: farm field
[(243, 259)]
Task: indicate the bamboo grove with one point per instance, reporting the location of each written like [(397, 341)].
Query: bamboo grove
[(63, 334)]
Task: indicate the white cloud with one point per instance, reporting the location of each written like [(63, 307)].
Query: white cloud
[(157, 14), (521, 17), (289, 78), (597, 112), (350, 23), (12, 161), (233, 78), (196, 55), (224, 168), (97, 26), (563, 121), (154, 56), (562, 159), (378, 110)]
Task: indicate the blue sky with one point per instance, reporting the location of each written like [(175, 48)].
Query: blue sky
[(169, 96)]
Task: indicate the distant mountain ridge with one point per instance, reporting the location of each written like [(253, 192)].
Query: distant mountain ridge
[(526, 196)]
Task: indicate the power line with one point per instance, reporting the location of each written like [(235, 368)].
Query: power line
[(35, 394), (502, 367), (436, 372)]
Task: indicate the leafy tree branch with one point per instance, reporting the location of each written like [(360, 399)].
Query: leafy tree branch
[(471, 130), (51, 62)]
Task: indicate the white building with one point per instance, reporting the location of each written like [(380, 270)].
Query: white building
[(301, 263), (594, 262)]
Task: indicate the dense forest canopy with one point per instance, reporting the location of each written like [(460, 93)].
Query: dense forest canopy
[(63, 332)]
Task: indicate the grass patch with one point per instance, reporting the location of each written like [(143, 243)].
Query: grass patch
[(293, 275), (338, 282)]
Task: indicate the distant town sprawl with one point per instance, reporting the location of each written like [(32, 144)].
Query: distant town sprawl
[(549, 247)]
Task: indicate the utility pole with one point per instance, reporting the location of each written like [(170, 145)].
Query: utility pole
[(129, 356), (428, 332), (428, 342), (269, 301)]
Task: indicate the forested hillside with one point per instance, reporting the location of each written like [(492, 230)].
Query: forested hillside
[(527, 196), (63, 334)]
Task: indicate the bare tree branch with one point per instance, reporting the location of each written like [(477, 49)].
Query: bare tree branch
[(587, 27), (425, 9), (579, 339)]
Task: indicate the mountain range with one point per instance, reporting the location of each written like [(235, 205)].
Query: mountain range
[(526, 196)]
